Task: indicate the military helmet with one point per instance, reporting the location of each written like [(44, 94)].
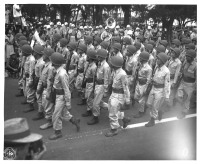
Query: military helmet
[(72, 45), (38, 49), (63, 42), (164, 43), (116, 39), (177, 51), (176, 42), (26, 49), (22, 38), (104, 44), (88, 39), (91, 54), (18, 35), (57, 58), (191, 53), (82, 47), (56, 37), (160, 48), (117, 46), (116, 61), (23, 42), (149, 47), (152, 43), (190, 46), (127, 40), (163, 57), (131, 49), (48, 51), (144, 56), (98, 39), (102, 53), (137, 45)]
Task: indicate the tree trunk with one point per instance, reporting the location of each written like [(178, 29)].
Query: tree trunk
[(169, 30), (126, 10)]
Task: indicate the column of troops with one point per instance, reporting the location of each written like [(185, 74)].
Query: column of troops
[(96, 64)]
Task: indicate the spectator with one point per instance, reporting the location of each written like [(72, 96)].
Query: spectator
[(17, 14), (27, 145), (9, 43), (12, 66)]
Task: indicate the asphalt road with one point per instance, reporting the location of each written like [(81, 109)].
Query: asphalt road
[(166, 141)]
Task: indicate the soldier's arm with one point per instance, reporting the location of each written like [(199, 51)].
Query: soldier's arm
[(177, 73), (65, 85), (31, 70), (125, 88), (106, 78), (167, 85), (149, 75)]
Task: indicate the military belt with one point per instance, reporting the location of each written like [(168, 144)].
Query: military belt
[(89, 80), (100, 82), (172, 76), (188, 79), (118, 90), (156, 85), (59, 91)]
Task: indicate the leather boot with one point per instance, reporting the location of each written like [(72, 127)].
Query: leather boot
[(75, 122), (40, 115), (111, 133), (57, 134), (21, 93), (31, 108), (83, 102), (94, 120), (181, 115), (47, 125), (126, 121), (151, 122), (139, 114), (160, 113), (87, 113)]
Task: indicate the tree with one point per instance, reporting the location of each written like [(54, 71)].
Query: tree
[(127, 14)]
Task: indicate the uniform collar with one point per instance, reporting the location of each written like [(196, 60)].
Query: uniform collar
[(118, 70), (102, 62), (58, 70)]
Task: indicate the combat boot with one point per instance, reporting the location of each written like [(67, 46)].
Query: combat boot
[(21, 93), (57, 134), (31, 108), (126, 121), (160, 113), (95, 120), (47, 125), (181, 115), (87, 113), (111, 133), (83, 102), (139, 114), (40, 115), (151, 122), (75, 122), (24, 102)]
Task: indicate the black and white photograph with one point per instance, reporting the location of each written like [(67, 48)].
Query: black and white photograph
[(86, 81)]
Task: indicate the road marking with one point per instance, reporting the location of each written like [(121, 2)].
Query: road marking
[(131, 126), (158, 122)]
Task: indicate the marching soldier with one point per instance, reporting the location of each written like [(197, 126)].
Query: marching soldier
[(89, 77), (115, 50), (188, 83), (38, 71), (63, 97), (164, 43), (174, 65), (29, 67), (88, 42), (126, 42), (143, 79), (104, 45), (55, 40), (97, 42), (175, 43), (120, 96), (149, 49), (101, 87), (47, 105), (160, 90)]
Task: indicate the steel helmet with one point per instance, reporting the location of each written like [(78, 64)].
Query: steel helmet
[(130, 32), (18, 35), (116, 39), (38, 49), (144, 56), (97, 27), (23, 42), (92, 54), (176, 42), (48, 51), (137, 45), (191, 53), (98, 39), (160, 48), (58, 23), (102, 53), (82, 47), (100, 26), (65, 23), (72, 45), (22, 38), (149, 47), (117, 26), (88, 39), (127, 40), (164, 43), (131, 49), (186, 41), (26, 49), (85, 27), (163, 57), (177, 51), (152, 43), (116, 61), (81, 27), (63, 42), (104, 44), (51, 23), (190, 46), (140, 37), (194, 39), (117, 46), (57, 58), (56, 37)]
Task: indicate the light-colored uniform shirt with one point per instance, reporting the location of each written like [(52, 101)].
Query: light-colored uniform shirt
[(91, 70), (38, 67)]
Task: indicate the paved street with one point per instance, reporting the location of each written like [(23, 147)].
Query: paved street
[(169, 140)]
